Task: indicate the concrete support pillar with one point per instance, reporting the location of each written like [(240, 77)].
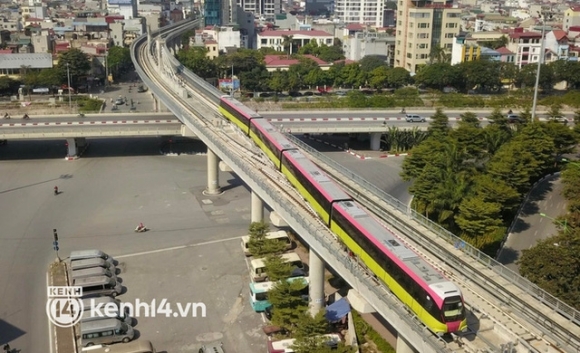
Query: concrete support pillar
[(403, 346), (155, 103), (316, 287), (376, 141), (276, 220), (213, 186), (71, 144), (257, 208)]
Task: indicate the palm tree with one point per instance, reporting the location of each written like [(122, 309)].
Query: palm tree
[(439, 55), (287, 44)]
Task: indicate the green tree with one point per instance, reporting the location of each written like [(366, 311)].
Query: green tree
[(276, 268), (278, 81), (378, 77), (554, 265), (439, 55), (527, 77), (492, 190), (398, 77), (510, 164), (320, 345), (555, 112), (288, 305), (371, 62), (259, 245), (119, 60), (439, 75), (49, 77), (439, 124), (196, 60), (352, 76), (309, 326), (534, 139), (482, 74), (526, 114), (564, 139), (569, 71), (498, 118), (6, 84), (78, 66), (469, 119), (477, 217)]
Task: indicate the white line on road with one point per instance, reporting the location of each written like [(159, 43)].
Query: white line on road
[(535, 233), (176, 248)]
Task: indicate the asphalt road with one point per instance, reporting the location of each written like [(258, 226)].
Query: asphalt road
[(530, 226), (101, 201)]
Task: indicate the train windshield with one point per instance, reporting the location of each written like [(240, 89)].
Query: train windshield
[(453, 309)]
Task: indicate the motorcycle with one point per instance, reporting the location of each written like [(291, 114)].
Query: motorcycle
[(81, 115), (6, 116), (140, 229), (25, 117)]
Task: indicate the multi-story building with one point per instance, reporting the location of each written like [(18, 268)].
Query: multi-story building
[(278, 39), (360, 43), (463, 50), (557, 42), (125, 8), (267, 9), (525, 46), (571, 18), (422, 27), (368, 12), (220, 12)]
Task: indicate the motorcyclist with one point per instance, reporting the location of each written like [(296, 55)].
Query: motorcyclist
[(140, 227), (25, 116), (510, 111), (403, 111), (6, 116), (56, 190)]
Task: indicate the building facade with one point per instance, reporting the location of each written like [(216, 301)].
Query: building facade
[(369, 12), (525, 46), (422, 27), (278, 40)]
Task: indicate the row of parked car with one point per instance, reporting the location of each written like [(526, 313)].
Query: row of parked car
[(96, 273)]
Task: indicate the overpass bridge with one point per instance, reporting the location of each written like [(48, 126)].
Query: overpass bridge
[(528, 318)]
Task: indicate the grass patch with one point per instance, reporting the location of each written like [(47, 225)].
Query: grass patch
[(365, 333)]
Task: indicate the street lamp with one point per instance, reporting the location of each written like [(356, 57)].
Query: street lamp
[(68, 78), (564, 224), (540, 60)]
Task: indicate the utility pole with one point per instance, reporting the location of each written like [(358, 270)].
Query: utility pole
[(543, 14), (232, 91), (106, 69)]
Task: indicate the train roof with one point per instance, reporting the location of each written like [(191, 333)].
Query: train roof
[(276, 137), (416, 264), (329, 188), (237, 105)]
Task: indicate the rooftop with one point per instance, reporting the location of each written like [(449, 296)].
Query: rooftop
[(283, 60)]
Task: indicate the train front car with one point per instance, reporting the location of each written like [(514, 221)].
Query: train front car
[(238, 113), (270, 140), (452, 306), (416, 283), (312, 183)]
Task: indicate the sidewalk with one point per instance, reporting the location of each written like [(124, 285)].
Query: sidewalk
[(62, 340)]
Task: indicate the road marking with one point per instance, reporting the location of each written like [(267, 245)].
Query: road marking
[(535, 233), (50, 338), (176, 248)]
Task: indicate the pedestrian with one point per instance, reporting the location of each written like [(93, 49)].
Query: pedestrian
[(56, 190), (7, 347)]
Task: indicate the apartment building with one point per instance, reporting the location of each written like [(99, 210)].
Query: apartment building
[(369, 12), (571, 18), (525, 46), (557, 42), (358, 43), (423, 26), (267, 9)]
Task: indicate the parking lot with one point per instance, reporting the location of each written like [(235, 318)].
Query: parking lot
[(103, 196), (210, 275)]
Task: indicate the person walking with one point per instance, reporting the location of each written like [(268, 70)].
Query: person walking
[(7, 347), (56, 190)]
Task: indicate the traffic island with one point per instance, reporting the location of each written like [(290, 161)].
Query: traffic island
[(63, 339)]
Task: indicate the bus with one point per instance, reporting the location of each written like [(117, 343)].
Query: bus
[(259, 292)]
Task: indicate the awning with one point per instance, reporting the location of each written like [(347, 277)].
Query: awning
[(337, 310)]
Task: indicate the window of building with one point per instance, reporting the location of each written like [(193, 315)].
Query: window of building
[(452, 15), (398, 33), (449, 35), (423, 35), (451, 25), (409, 56), (423, 46), (423, 25), (448, 46), (410, 24), (410, 45), (400, 23), (264, 41)]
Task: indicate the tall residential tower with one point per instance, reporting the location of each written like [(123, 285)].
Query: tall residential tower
[(424, 27)]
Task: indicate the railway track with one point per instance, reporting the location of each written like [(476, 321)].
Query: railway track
[(514, 304), (255, 157)]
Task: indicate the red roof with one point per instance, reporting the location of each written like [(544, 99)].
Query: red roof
[(210, 41), (574, 29), (503, 51), (293, 33), (5, 51), (283, 60), (575, 8), (355, 27), (113, 19), (559, 34), (526, 35)]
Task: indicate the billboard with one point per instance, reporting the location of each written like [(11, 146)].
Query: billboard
[(226, 84)]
